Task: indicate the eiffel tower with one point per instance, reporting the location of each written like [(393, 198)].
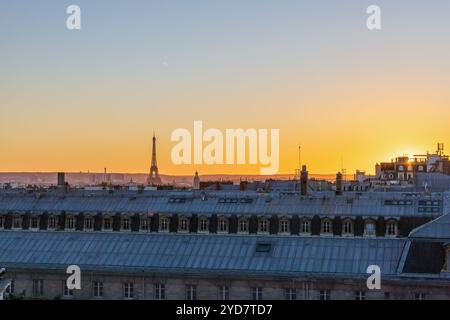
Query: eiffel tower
[(153, 178)]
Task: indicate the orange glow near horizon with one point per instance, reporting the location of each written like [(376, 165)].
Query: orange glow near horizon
[(89, 100)]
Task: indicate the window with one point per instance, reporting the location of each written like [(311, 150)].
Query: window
[(125, 223), (70, 223), (2, 222), (326, 226), (257, 293), (223, 225), (160, 291), (284, 226), (203, 225), (447, 259), (305, 227), (420, 296), (107, 223), (324, 294), (144, 224), (191, 292), (391, 228), (128, 290), (164, 224), (369, 229), (88, 223), (360, 295), (38, 288), (17, 222), (223, 293), (263, 226), (347, 228), (52, 222), (34, 222), (243, 225), (98, 289), (183, 224), (290, 294), (66, 292)]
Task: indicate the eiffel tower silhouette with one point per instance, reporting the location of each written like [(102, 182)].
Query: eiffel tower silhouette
[(153, 177)]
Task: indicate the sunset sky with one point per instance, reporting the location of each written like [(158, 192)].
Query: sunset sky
[(89, 99)]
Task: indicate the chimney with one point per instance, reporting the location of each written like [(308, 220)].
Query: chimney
[(304, 181), (338, 183), (61, 179)]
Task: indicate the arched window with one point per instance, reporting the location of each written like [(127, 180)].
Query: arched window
[(326, 226), (391, 228), (347, 227), (70, 222), (263, 225), (243, 225), (52, 222), (88, 223), (107, 223), (305, 227), (163, 224), (203, 224), (283, 225), (125, 223), (369, 228), (183, 224), (222, 225)]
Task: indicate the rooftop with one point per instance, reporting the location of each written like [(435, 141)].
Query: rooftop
[(200, 254)]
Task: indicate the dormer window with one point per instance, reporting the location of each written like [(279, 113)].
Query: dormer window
[(305, 227), (88, 223), (347, 227), (52, 222), (284, 226), (326, 226), (107, 223), (17, 222), (70, 223), (163, 224), (369, 228), (391, 228), (183, 224), (203, 225), (34, 224), (223, 225), (144, 223), (243, 225), (263, 225), (125, 223)]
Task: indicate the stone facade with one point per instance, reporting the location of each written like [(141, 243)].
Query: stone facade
[(207, 288)]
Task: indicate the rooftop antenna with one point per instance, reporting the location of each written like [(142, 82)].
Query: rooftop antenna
[(440, 149), (299, 156)]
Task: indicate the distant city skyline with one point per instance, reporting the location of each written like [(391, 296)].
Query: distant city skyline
[(88, 99)]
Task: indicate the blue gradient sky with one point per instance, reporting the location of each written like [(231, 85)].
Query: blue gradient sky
[(84, 100)]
